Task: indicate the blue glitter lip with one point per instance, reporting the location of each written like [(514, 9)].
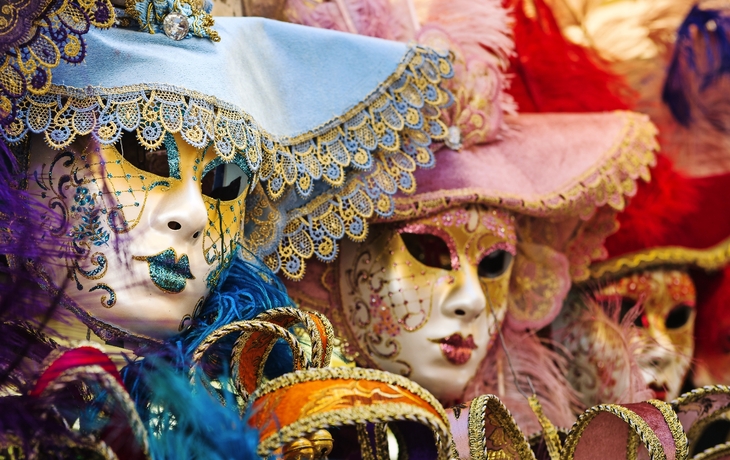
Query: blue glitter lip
[(167, 272)]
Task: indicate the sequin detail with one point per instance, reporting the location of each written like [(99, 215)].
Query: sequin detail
[(166, 272), (152, 16)]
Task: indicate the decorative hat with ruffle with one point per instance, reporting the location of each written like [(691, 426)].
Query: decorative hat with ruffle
[(336, 121)]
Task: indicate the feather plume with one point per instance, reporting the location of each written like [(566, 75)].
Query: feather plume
[(530, 358), (553, 74), (603, 344), (656, 212)]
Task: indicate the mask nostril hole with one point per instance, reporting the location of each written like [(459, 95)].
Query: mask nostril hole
[(460, 312), (172, 225), (196, 234)]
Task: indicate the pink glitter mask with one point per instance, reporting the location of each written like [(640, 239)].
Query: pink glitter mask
[(414, 296)]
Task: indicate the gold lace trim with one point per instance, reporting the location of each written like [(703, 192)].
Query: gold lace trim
[(709, 259), (607, 182), (41, 52)]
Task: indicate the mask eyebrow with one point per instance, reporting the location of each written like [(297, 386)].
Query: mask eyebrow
[(423, 229)]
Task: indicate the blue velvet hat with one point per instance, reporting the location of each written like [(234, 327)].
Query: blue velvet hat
[(329, 125)]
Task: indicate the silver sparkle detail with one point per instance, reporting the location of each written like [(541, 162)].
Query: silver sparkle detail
[(176, 25), (453, 139)]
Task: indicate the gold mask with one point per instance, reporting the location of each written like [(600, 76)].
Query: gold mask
[(415, 295), (148, 233), (666, 325)]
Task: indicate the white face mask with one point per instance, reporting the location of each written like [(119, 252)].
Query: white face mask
[(147, 233), (664, 329), (414, 296)]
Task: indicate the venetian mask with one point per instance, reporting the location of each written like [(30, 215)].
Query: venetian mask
[(425, 299), (665, 326), (146, 232)]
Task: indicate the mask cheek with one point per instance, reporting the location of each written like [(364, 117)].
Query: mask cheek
[(539, 283), (222, 234)]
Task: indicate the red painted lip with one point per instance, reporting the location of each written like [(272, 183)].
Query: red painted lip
[(660, 392), (455, 348)]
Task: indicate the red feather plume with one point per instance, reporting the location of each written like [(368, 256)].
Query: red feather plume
[(552, 74), (656, 214)]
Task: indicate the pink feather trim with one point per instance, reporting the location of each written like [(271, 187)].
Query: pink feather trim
[(545, 368)]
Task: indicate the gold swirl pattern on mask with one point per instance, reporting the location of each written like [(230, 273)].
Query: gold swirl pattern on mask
[(379, 142)]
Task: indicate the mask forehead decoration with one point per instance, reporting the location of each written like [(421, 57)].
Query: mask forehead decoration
[(666, 325), (414, 295)]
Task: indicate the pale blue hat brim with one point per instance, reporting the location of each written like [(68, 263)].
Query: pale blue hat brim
[(291, 79)]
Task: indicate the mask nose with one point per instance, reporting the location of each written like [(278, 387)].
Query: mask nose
[(181, 214), (466, 299)]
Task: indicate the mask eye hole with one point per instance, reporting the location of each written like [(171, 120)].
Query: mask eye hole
[(627, 304), (225, 182), (494, 264), (151, 161), (430, 250), (678, 317)]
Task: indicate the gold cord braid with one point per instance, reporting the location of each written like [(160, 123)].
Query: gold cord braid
[(635, 423), (287, 317), (681, 443), (718, 452), (550, 433)]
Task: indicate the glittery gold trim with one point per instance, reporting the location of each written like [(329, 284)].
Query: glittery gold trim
[(499, 416), (718, 452), (675, 427), (477, 429), (613, 176), (635, 423), (550, 433), (709, 259)]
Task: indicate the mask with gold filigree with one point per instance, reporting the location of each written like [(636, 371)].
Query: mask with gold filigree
[(473, 251), (665, 325), (665, 231), (415, 295)]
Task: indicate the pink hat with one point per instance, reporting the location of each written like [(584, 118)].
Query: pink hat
[(564, 176)]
